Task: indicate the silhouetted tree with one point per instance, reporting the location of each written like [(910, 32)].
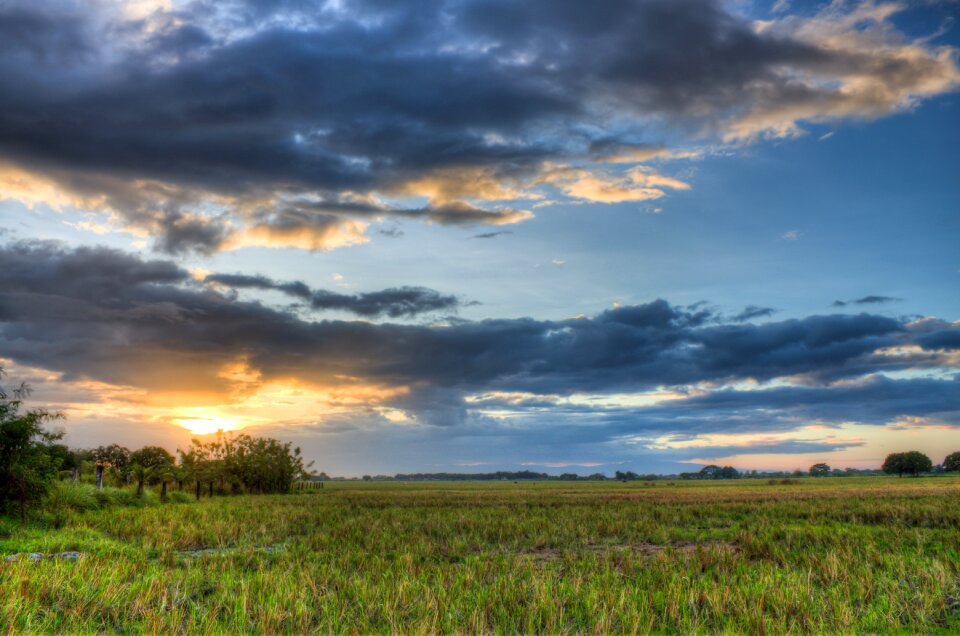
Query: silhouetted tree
[(909, 463), (114, 457), (709, 472), (820, 470), (244, 463), (716, 472), (151, 464), (952, 462)]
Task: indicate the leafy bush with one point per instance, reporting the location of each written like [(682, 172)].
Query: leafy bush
[(27, 465), (65, 497), (78, 497)]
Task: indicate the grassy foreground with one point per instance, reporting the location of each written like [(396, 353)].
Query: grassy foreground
[(821, 555)]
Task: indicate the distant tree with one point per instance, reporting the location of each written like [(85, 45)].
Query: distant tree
[(151, 464), (626, 476), (709, 472), (113, 456), (951, 463), (69, 461), (728, 472), (196, 465), (151, 456), (716, 472), (909, 463), (28, 465), (819, 470)]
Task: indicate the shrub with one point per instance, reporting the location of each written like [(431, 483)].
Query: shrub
[(78, 497), (179, 497), (28, 466)]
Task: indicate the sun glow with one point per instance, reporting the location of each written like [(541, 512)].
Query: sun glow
[(207, 425)]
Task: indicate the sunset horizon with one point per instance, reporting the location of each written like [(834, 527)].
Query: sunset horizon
[(462, 237)]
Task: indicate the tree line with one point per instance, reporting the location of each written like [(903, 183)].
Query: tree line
[(230, 464), (32, 458), (909, 463)]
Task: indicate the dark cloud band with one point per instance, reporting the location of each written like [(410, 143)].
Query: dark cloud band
[(395, 302), (112, 317)]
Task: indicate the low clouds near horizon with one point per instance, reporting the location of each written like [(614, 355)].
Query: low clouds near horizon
[(147, 334)]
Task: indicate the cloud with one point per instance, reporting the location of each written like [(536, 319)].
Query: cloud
[(866, 300), (707, 454), (874, 400), (490, 235), (752, 311), (397, 302), (640, 183), (792, 235), (391, 232), (946, 339), (116, 338), (875, 300), (208, 127), (111, 317)]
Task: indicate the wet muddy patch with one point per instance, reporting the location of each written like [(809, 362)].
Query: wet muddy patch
[(200, 552), (544, 554)]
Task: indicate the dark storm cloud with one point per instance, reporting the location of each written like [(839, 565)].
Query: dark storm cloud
[(245, 104), (871, 400), (490, 235), (306, 215), (944, 339), (34, 35), (752, 311), (180, 233), (875, 400), (47, 270), (867, 300), (875, 300), (101, 314), (395, 302)]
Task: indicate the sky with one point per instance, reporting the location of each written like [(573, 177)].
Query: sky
[(468, 236)]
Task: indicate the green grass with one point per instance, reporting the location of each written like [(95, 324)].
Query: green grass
[(876, 555)]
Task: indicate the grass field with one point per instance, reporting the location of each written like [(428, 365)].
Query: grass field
[(822, 555)]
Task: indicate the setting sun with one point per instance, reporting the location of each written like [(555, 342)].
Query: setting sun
[(207, 425)]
